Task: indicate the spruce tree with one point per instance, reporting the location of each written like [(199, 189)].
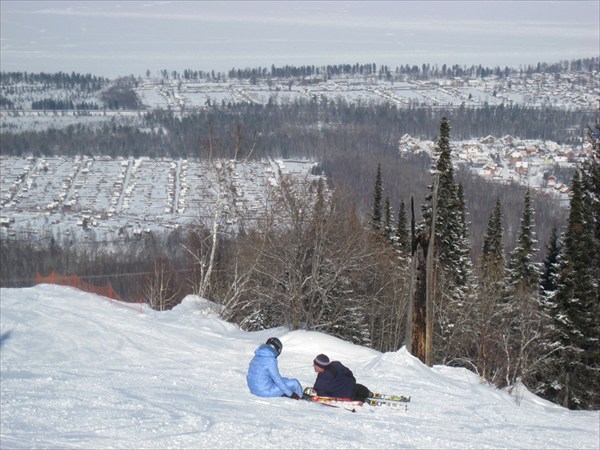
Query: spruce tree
[(522, 315), (523, 272), (575, 307), (493, 259), (590, 184), (548, 280), (451, 250), (387, 222), (377, 215), (463, 249), (488, 356), (449, 229), (402, 235), (545, 374)]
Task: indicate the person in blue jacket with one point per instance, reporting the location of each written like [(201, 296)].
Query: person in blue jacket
[(336, 380), (263, 376)]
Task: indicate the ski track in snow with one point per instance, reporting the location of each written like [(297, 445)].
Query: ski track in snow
[(78, 371)]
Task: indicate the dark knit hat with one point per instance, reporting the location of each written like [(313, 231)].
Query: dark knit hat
[(321, 361)]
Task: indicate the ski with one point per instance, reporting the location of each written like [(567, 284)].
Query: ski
[(391, 401), (388, 403), (377, 399), (335, 402), (393, 398)]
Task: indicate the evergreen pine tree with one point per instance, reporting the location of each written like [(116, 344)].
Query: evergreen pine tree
[(487, 338), (387, 222), (575, 308), (451, 252), (590, 184), (544, 383), (377, 215), (548, 280), (448, 225), (402, 236), (523, 272), (544, 375), (493, 260), (522, 314), (463, 257)]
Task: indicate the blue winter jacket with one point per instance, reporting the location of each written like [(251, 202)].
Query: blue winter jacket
[(336, 381), (263, 376)]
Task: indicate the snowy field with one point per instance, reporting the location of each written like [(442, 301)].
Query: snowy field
[(79, 371)]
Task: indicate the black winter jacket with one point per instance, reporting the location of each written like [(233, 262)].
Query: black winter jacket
[(336, 381)]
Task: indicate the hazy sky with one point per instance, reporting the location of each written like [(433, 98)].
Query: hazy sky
[(115, 38)]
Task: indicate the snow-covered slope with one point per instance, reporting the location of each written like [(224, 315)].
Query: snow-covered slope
[(79, 371)]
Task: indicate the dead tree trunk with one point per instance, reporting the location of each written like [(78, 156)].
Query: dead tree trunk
[(419, 340), (417, 310), (416, 329), (430, 280)]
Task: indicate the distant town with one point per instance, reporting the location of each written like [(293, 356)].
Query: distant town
[(573, 91), (28, 105), (125, 197), (106, 199), (511, 160), (117, 198)]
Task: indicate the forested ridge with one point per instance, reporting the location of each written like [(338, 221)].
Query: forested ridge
[(343, 265), (300, 130)]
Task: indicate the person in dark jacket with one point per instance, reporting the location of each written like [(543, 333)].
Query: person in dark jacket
[(263, 376), (336, 380)]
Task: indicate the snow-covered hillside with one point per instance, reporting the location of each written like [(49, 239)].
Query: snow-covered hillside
[(79, 371)]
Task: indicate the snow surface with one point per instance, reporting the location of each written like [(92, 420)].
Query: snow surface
[(80, 371)]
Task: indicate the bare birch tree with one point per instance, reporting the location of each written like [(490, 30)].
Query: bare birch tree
[(159, 291)]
